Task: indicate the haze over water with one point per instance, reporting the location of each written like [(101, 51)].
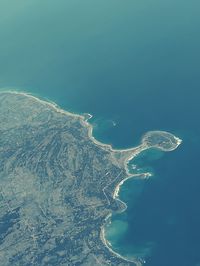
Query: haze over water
[(135, 66)]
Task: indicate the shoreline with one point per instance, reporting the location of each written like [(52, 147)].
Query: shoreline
[(106, 243), (141, 176), (133, 153), (83, 119)]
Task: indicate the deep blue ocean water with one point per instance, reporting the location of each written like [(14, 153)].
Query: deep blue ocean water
[(134, 65)]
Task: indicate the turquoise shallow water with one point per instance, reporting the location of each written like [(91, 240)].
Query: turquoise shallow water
[(135, 66)]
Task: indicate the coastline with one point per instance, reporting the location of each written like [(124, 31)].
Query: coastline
[(80, 116), (106, 243), (131, 153), (141, 176)]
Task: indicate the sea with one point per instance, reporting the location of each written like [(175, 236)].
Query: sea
[(135, 66)]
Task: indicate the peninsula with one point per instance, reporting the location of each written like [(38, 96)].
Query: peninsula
[(58, 185)]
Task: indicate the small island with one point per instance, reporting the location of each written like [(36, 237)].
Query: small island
[(58, 185)]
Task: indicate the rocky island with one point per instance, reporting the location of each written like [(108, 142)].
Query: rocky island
[(58, 185)]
